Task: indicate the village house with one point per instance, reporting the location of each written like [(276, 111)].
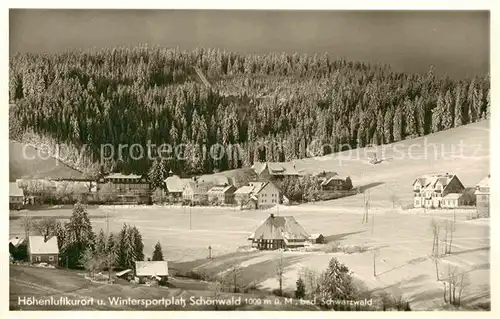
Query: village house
[(430, 190), (126, 188), (37, 191), (151, 272), (258, 195), (43, 250), (242, 194), (16, 196), (194, 193), (279, 232), (332, 181), (455, 200), (275, 171), (174, 186), (16, 248), (221, 195), (127, 183), (483, 197)]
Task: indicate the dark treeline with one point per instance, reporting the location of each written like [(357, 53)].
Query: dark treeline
[(136, 95)]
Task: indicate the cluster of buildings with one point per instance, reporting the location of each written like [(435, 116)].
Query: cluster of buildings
[(45, 250), (40, 249), (447, 191)]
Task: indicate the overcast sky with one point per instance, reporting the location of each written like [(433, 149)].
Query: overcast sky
[(456, 43)]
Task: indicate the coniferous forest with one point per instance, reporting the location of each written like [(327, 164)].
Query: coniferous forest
[(135, 95)]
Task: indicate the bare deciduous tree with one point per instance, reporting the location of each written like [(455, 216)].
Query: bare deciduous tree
[(233, 276), (311, 280), (45, 227), (435, 227), (454, 286), (27, 225), (452, 229)]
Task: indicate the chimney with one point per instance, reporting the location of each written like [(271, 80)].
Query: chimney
[(45, 237), (272, 215)]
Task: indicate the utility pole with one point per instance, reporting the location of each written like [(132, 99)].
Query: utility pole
[(209, 252)]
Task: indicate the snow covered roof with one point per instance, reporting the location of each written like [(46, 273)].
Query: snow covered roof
[(123, 272), (430, 181), (15, 190), (37, 245), (214, 179), (273, 168), (244, 190), (119, 175), (280, 227), (16, 241), (220, 189), (485, 182), (453, 196), (151, 268), (175, 184)]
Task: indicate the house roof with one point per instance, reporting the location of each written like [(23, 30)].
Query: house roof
[(16, 241), (151, 268), (280, 227), (175, 184), (315, 236), (453, 196), (430, 181), (485, 182), (244, 190), (196, 187), (214, 179), (123, 272), (15, 190), (281, 169), (221, 189), (119, 175), (37, 245), (327, 181)]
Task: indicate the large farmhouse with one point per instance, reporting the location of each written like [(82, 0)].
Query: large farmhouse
[(279, 232), (483, 197), (42, 249), (431, 190), (127, 183)]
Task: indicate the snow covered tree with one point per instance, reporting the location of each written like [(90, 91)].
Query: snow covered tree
[(337, 283), (157, 173), (100, 246)]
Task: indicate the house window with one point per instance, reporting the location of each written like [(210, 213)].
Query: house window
[(51, 258), (38, 258)]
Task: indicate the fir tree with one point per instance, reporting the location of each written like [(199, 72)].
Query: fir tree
[(300, 291), (458, 118), (398, 126), (100, 247), (157, 253)]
